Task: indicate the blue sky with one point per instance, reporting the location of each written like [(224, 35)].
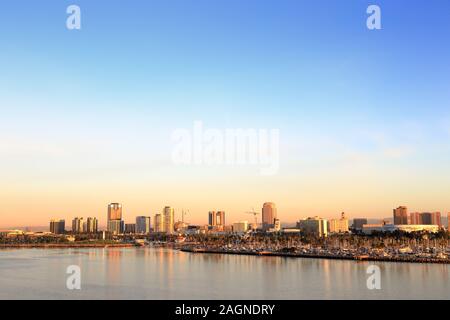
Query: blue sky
[(345, 98)]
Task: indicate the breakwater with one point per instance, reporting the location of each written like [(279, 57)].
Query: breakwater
[(406, 259)]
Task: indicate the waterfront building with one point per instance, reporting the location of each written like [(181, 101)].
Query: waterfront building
[(130, 228), (240, 227), (114, 211), (269, 214), (169, 220), (143, 225), (419, 227), (401, 215), (91, 225), (159, 219), (436, 219), (77, 225), (115, 225), (370, 228), (57, 226), (448, 221), (414, 218), (220, 218), (216, 219), (358, 223), (313, 226), (338, 225), (426, 218), (212, 218)]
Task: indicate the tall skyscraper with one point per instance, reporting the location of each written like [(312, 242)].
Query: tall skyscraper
[(212, 218), (159, 221), (115, 223), (143, 225), (401, 215), (57, 226), (220, 218), (77, 225), (91, 225), (114, 211), (216, 219), (168, 220), (269, 214)]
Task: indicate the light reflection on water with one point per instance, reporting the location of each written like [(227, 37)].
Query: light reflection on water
[(156, 273)]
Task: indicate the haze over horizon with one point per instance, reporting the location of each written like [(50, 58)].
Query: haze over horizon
[(88, 115)]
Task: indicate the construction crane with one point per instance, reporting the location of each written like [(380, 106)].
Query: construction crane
[(253, 212)]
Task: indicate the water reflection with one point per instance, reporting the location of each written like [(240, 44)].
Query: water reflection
[(157, 273)]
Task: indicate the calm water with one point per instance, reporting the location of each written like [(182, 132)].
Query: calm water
[(149, 273)]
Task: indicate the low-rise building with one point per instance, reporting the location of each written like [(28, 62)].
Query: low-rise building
[(313, 226)]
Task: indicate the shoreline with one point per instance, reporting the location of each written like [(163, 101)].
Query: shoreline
[(68, 246), (315, 256)]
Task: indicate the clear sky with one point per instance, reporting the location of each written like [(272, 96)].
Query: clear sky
[(87, 115)]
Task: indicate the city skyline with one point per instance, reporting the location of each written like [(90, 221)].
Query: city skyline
[(411, 217), (88, 115)]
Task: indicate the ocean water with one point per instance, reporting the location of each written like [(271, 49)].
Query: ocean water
[(159, 273)]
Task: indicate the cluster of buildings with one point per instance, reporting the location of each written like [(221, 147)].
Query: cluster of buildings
[(413, 222), (164, 222), (317, 226)]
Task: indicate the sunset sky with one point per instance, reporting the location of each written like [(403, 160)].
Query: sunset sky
[(87, 115)]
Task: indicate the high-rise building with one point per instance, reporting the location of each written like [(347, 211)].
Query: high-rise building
[(426, 218), (338, 225), (436, 219), (168, 220), (116, 226), (57, 226), (143, 225), (115, 223), (91, 225), (401, 216), (212, 218), (130, 228), (358, 223), (269, 214), (313, 226), (216, 219), (220, 218), (159, 222), (77, 225), (114, 211), (414, 218)]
